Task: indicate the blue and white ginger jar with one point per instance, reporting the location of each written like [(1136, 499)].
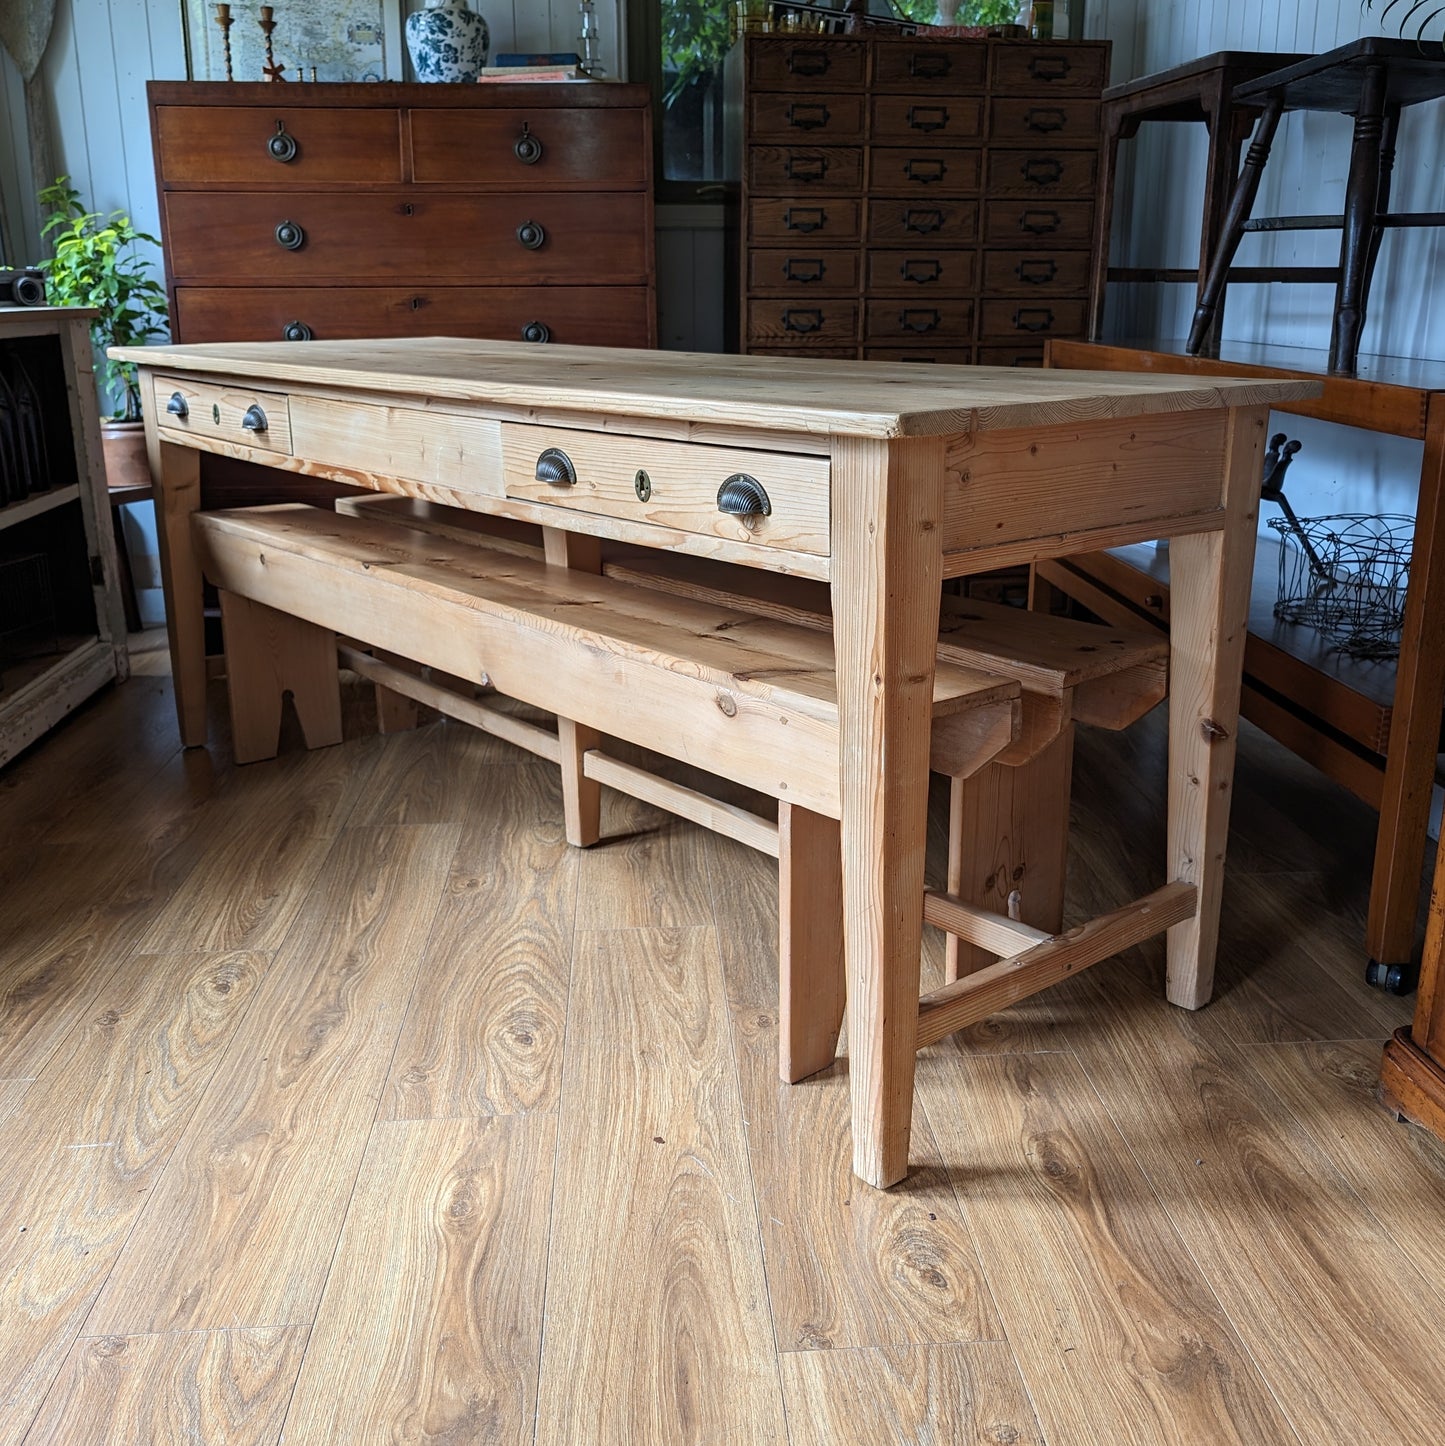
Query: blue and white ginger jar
[(447, 41)]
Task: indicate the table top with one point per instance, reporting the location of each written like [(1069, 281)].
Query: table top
[(831, 398), (1246, 64), (1332, 81)]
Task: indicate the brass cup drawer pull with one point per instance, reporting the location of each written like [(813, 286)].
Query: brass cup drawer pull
[(929, 66), (921, 272), (177, 406), (926, 172), (1043, 170), (922, 222), (809, 62), (805, 218), (802, 321), (927, 117), (527, 148), (743, 496), (281, 147), (1044, 118), (804, 268), (531, 235), (1034, 318), (1037, 271), (806, 168), (919, 320), (555, 468), (254, 420), (808, 116), (290, 236), (296, 331), (537, 331), (1040, 223), (1049, 67)]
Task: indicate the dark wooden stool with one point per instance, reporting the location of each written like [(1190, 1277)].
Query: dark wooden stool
[(1202, 90), (1372, 80)]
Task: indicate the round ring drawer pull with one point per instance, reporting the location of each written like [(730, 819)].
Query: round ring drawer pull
[(743, 496), (531, 235), (254, 420), (528, 149), (281, 147), (177, 406), (296, 331), (290, 235), (537, 331), (555, 467)]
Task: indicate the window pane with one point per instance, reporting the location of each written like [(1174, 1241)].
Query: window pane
[(694, 42)]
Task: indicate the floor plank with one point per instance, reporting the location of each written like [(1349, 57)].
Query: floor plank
[(220, 1388), (1117, 1333), (241, 1229), (433, 1309), (431, 774), (484, 1031), (96, 1133), (12, 1096), (923, 1395), (657, 1312)]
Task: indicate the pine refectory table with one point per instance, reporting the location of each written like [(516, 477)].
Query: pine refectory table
[(880, 479)]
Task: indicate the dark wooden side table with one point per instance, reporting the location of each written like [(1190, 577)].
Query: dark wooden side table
[(1201, 91), (1372, 80)]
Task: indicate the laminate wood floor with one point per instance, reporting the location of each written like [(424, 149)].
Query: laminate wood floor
[(341, 1102)]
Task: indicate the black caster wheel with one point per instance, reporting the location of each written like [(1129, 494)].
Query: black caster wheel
[(1392, 978)]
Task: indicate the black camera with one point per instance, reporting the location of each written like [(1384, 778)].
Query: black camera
[(25, 287)]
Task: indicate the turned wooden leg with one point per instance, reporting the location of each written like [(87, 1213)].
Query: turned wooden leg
[(1357, 239), (887, 572), (270, 654), (1209, 583), (176, 472), (581, 796), (811, 989)]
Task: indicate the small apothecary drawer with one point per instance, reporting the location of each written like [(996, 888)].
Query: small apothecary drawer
[(1036, 273), (937, 319), (792, 219), (792, 118), (906, 221), (916, 170), (223, 412), (942, 120), (818, 169), (921, 271), (802, 322), (1058, 120), (813, 64), (1022, 69), (929, 67), (774, 499), (803, 271), (1045, 223), (1019, 317)]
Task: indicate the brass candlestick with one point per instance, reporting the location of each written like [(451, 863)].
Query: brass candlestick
[(270, 70), (225, 20)]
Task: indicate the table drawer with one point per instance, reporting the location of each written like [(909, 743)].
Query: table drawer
[(921, 271), (792, 219), (929, 67), (938, 355), (277, 147), (798, 270), (942, 120), (571, 315), (928, 322), (1035, 273), (829, 118), (812, 64), (805, 168), (916, 170), (406, 237), (1044, 118), (1042, 173), (1023, 318), (1022, 355), (910, 220), (542, 148), (672, 484), (1018, 223), (821, 323), (220, 411), (1022, 68)]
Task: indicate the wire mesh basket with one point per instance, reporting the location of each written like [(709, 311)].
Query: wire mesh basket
[(1346, 576)]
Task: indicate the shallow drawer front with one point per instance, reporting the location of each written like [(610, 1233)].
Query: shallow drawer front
[(916, 170), (1023, 318), (908, 220), (678, 487), (802, 271), (222, 412), (791, 219), (1047, 69), (277, 147), (805, 168), (1043, 118), (590, 148), (792, 118), (814, 64), (581, 236), (936, 355), (1021, 355), (928, 68), (942, 120), (902, 322), (1035, 273), (822, 323), (919, 272), (1017, 223), (1041, 173), (571, 315), (820, 353)]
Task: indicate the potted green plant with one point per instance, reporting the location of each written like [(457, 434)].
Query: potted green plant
[(95, 263)]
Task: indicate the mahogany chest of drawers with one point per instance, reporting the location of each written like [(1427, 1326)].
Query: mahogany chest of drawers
[(516, 212), (913, 199)]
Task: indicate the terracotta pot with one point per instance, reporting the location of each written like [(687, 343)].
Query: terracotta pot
[(124, 446)]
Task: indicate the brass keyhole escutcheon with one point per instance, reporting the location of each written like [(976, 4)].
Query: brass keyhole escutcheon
[(216, 414), (642, 485)]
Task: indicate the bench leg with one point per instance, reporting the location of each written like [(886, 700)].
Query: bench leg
[(811, 988), (395, 712), (581, 796), (1008, 833), (269, 654)]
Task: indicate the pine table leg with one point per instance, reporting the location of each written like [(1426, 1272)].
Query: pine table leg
[(581, 796)]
